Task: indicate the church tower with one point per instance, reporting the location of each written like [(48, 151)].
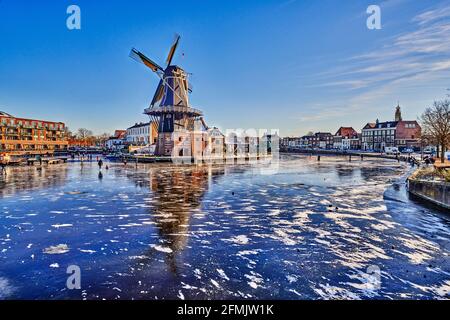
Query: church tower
[(398, 113)]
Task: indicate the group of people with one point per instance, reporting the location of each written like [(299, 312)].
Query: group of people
[(428, 160), (82, 156), (100, 163)]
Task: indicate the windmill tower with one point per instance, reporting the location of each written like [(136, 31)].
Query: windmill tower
[(169, 110)]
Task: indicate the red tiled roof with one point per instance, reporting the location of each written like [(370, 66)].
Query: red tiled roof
[(346, 132)]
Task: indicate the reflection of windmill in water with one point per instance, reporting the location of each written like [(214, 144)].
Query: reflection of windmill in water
[(177, 193), (170, 109)]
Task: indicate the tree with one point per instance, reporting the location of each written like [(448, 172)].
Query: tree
[(436, 124), (84, 134), (101, 139), (67, 133)]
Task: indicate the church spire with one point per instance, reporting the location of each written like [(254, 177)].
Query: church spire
[(398, 113)]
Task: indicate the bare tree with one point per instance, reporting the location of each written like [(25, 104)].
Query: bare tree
[(67, 133), (101, 139), (84, 134), (436, 125)]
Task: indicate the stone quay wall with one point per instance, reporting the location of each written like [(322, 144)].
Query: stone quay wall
[(432, 191)]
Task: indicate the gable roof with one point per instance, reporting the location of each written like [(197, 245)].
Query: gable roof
[(138, 125), (346, 132), (381, 125)]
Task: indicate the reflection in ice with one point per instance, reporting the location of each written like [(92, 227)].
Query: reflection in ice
[(309, 231)]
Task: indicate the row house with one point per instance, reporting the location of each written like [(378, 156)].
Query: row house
[(310, 141), (399, 133), (117, 141), (321, 140), (142, 134), (20, 136), (346, 138), (292, 142), (325, 140)]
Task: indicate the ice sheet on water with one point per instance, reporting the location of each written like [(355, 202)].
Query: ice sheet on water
[(222, 274), (58, 249), (162, 248), (62, 225), (6, 289), (240, 239)]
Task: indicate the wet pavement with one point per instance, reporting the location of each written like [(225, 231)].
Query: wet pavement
[(328, 230)]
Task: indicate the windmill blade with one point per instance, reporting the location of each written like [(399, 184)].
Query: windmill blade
[(172, 50), (158, 94), (140, 57)]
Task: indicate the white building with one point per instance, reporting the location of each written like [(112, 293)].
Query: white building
[(142, 134), (116, 142)]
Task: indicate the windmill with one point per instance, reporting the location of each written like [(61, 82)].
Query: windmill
[(169, 110)]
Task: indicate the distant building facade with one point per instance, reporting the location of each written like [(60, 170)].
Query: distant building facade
[(142, 134), (321, 140), (346, 138), (215, 146), (325, 140), (117, 141), (29, 136), (379, 135), (292, 142)]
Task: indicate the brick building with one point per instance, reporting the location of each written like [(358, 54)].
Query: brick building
[(321, 140), (346, 138), (20, 136), (325, 140), (399, 133)]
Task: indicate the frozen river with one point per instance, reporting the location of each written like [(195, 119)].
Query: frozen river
[(328, 230)]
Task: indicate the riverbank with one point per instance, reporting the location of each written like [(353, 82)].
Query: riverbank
[(348, 153), (431, 185)]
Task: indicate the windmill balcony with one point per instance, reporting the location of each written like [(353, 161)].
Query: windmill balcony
[(172, 109)]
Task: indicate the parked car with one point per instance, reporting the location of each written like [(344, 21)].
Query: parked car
[(407, 150), (429, 150), (391, 150)]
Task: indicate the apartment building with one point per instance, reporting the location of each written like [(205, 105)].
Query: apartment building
[(19, 136)]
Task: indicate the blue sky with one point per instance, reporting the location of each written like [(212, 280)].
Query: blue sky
[(290, 65)]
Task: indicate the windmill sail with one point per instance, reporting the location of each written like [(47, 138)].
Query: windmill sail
[(140, 57), (172, 50)]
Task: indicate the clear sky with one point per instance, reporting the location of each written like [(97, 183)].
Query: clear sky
[(290, 65)]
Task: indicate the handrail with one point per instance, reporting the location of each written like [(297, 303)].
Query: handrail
[(168, 109)]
